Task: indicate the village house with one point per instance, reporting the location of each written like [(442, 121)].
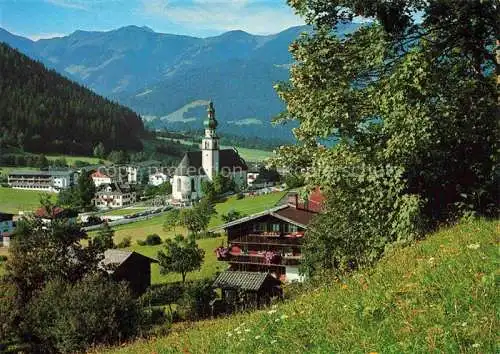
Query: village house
[(99, 178), (114, 195), (271, 241), (47, 181), (7, 225), (197, 166), (158, 178)]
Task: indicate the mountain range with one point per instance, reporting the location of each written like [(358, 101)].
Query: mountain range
[(168, 78)]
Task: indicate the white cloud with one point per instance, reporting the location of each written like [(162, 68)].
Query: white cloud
[(38, 36), (258, 17), (71, 4)]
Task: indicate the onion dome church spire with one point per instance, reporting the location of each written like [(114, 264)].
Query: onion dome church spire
[(211, 123)]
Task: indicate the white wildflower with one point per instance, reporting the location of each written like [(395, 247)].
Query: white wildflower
[(476, 345), (257, 337), (284, 317), (473, 246), (247, 330), (271, 312), (277, 320), (464, 324), (273, 341)]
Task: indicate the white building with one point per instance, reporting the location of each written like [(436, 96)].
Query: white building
[(197, 166), (100, 178), (49, 181), (114, 196), (157, 179)]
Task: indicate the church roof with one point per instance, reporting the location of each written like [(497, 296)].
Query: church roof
[(191, 163)]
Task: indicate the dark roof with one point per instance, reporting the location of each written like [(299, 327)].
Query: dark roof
[(191, 163), (290, 214), (6, 216), (54, 173), (296, 215), (118, 257), (243, 280)]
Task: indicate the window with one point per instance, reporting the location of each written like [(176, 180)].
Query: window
[(178, 184), (275, 227), (292, 228), (193, 189)]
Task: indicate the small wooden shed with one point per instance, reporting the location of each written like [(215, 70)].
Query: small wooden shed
[(241, 290), (129, 266)]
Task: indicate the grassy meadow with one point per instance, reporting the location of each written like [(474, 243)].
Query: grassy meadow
[(15, 200), (436, 296), (141, 229)]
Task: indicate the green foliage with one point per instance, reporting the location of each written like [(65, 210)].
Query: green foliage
[(103, 240), (197, 218), (294, 180), (125, 242), (79, 196), (119, 157), (268, 175), (99, 150), (70, 318), (182, 255), (413, 110), (231, 216), (438, 295), (153, 239), (172, 219), (163, 189), (45, 112)]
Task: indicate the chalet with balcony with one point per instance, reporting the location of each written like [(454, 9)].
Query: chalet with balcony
[(114, 195), (270, 241)]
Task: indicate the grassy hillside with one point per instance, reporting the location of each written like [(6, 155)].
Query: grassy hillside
[(438, 295), (14, 200)]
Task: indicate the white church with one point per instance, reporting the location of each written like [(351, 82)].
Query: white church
[(197, 166)]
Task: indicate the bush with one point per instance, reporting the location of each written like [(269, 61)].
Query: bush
[(153, 239), (3, 259), (70, 318), (126, 242), (195, 304), (240, 196), (141, 242)]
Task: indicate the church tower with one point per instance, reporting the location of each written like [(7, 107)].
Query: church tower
[(210, 144)]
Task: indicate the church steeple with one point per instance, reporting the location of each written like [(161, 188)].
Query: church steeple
[(210, 123), (210, 144)]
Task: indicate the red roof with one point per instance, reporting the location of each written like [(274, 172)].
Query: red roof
[(98, 174), (56, 212)]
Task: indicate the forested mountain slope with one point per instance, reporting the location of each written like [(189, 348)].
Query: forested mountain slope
[(41, 111)]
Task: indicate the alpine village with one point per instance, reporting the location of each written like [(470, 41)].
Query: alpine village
[(329, 184)]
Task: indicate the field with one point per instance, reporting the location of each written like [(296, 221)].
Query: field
[(71, 159), (248, 205), (210, 264), (254, 155), (14, 200), (436, 296), (126, 211)]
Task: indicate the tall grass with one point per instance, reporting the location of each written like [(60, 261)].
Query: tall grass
[(438, 295)]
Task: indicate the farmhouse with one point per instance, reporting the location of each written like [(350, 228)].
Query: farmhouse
[(129, 266), (49, 181), (271, 241), (114, 195), (197, 166)]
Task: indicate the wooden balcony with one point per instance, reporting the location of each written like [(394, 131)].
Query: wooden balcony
[(258, 259), (256, 239)]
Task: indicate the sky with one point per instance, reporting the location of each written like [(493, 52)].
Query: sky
[(202, 18)]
